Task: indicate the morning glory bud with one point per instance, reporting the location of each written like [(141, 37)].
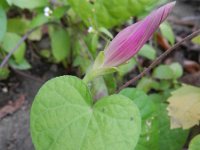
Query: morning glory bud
[(130, 40)]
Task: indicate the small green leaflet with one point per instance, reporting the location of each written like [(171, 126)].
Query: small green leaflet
[(23, 65), (10, 40), (127, 67), (4, 73), (172, 71), (60, 43), (163, 72), (3, 23), (148, 51), (146, 84), (167, 32), (177, 69), (38, 20), (63, 117)]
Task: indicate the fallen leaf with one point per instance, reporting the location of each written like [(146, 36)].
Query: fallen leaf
[(184, 107), (11, 107), (163, 42), (191, 66)]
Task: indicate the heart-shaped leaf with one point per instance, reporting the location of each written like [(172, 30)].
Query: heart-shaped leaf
[(63, 117)]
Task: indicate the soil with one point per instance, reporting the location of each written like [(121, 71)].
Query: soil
[(14, 128)]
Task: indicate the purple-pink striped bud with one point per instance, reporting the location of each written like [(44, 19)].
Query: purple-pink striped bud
[(130, 40)]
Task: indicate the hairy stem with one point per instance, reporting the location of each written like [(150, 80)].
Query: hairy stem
[(158, 59)]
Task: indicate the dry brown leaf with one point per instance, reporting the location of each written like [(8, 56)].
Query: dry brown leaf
[(11, 107), (163, 42), (191, 66), (184, 107)]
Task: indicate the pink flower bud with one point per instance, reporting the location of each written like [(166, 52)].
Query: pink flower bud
[(130, 40)]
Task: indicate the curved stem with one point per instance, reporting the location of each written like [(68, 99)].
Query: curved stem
[(88, 77), (158, 59)]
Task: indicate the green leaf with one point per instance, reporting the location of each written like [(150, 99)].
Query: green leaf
[(148, 52), (196, 40), (127, 67), (106, 32), (146, 84), (4, 4), (82, 62), (108, 13), (92, 42), (167, 32), (164, 85), (29, 5), (38, 21), (149, 135), (3, 23), (163, 72), (45, 53), (10, 41), (18, 25), (60, 11), (23, 65), (4, 73), (110, 83), (177, 70), (99, 60), (167, 135), (36, 35), (195, 143), (60, 43), (63, 116)]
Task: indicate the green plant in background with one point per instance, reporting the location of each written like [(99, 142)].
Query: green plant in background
[(163, 78), (97, 13), (70, 41), (65, 116), (70, 113)]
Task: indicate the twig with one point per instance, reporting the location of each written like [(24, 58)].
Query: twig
[(158, 59), (17, 46), (28, 76)]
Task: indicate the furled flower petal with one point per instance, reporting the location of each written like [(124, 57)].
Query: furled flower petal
[(130, 40)]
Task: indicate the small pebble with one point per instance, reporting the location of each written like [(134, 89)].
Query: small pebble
[(5, 90)]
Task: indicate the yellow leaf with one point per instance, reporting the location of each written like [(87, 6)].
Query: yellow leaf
[(184, 107), (196, 40)]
